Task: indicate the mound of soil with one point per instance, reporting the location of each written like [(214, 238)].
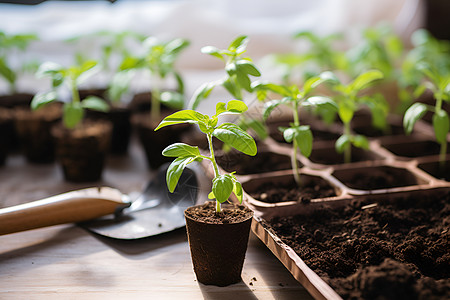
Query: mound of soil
[(377, 250)]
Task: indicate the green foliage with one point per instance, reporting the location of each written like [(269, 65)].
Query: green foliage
[(238, 71), (320, 55), (159, 58), (72, 76), (435, 77), (347, 102), (9, 43), (380, 48), (232, 135), (293, 97)]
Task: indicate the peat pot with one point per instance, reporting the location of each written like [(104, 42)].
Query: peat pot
[(82, 151), (218, 242)]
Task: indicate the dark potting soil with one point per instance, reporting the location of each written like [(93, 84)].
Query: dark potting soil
[(372, 178), (229, 213), (393, 250), (288, 190), (262, 162)]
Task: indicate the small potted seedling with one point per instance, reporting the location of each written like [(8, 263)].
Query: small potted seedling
[(12, 66), (347, 102), (158, 60), (9, 45), (239, 69), (438, 81), (81, 145), (218, 242), (320, 56), (295, 98)]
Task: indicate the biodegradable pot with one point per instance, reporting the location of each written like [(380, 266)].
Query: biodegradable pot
[(218, 242), (82, 151), (154, 142), (120, 118), (34, 131), (6, 133), (12, 101)]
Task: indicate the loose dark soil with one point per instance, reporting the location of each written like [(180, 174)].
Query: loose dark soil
[(435, 169), (229, 214), (392, 250), (378, 177), (262, 162), (286, 189), (329, 156), (413, 148)]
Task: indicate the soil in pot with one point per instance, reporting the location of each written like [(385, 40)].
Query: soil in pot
[(319, 134), (395, 249), (82, 151), (6, 133), (218, 241), (434, 169), (12, 101), (329, 156), (285, 189), (264, 161), (154, 142), (120, 118), (376, 177), (412, 148), (34, 131), (15, 100)]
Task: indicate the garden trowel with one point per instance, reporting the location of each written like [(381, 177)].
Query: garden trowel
[(108, 212)]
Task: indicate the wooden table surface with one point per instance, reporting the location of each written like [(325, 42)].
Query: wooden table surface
[(67, 262)]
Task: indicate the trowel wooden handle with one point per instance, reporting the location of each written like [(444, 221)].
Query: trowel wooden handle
[(71, 207)]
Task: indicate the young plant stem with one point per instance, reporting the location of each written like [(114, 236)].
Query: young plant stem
[(215, 166), (443, 145), (295, 147), (155, 104), (75, 93), (347, 150)]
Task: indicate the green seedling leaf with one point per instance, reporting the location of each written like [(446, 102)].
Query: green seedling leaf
[(7, 72), (173, 100), (441, 126), (303, 137), (211, 50), (360, 141), (87, 70), (269, 107), (322, 102), (234, 136), (48, 69), (222, 187), (175, 170), (95, 103), (366, 78), (182, 116), (238, 191), (239, 44), (342, 143), (232, 86), (346, 111), (73, 114), (414, 113), (202, 93), (247, 67), (236, 106), (181, 150), (42, 99)]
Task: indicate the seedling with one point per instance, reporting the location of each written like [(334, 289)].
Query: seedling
[(9, 44), (73, 76), (159, 59), (438, 81), (299, 135), (347, 101), (237, 81), (223, 185)]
